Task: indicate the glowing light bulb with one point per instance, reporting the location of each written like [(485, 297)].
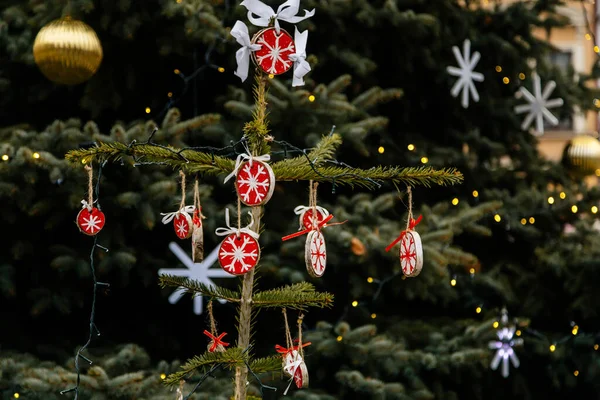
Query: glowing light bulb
[(505, 80), (574, 209), (472, 270), (588, 36), (576, 373), (495, 324), (271, 76), (148, 110), (597, 49), (498, 68), (354, 303), (552, 348), (424, 160), (453, 282), (311, 98), (575, 330), (550, 200), (339, 338), (455, 201), (562, 195), (597, 172), (411, 147), (518, 332), (163, 376), (522, 76), (5, 157), (370, 279), (176, 71), (596, 347), (178, 1), (475, 193), (16, 395), (597, 102), (497, 218), (170, 94), (36, 155), (373, 315), (523, 221), (478, 310), (381, 149), (532, 220), (221, 69)]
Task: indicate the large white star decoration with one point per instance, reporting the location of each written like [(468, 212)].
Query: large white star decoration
[(538, 105), (200, 272), (504, 347), (465, 73)]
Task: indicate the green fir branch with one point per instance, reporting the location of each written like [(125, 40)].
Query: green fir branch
[(323, 151), (197, 288), (230, 358), (266, 364), (298, 296), (370, 178)]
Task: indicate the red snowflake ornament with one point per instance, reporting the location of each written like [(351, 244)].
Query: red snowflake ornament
[(239, 254), (294, 366), (182, 223), (411, 254), (306, 219), (315, 254), (90, 221), (254, 183), (276, 49)]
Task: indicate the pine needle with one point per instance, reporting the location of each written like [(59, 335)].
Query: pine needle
[(198, 288), (298, 296), (230, 358)]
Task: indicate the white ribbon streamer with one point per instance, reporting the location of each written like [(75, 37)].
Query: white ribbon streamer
[(301, 66), (291, 367), (168, 217), (242, 56), (229, 230), (86, 205), (242, 157), (286, 12), (302, 209)]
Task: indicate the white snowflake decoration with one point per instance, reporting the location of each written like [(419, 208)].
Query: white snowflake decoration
[(504, 347), (465, 73), (538, 105), (276, 54), (92, 223), (238, 258), (254, 181), (182, 228), (200, 272)]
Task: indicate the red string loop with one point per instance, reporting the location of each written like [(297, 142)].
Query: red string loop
[(216, 341), (283, 350), (304, 232), (411, 225)]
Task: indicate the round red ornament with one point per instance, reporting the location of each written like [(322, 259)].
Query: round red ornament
[(411, 254), (276, 49), (182, 223), (254, 183), (306, 219), (90, 221), (239, 254), (294, 366), (315, 254)]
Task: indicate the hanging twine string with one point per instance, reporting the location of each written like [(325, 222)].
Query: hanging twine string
[(180, 390), (288, 335), (300, 345), (410, 222), (90, 201), (198, 216), (216, 343), (313, 203), (168, 217), (213, 324), (182, 204), (239, 216)]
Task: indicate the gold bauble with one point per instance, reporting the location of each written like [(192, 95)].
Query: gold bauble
[(67, 51), (582, 155)]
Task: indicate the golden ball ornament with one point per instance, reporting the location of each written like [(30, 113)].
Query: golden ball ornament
[(582, 155), (67, 51)]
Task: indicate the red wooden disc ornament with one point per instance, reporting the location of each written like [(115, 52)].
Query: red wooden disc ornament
[(315, 254), (254, 183), (182, 223), (307, 218), (411, 254), (276, 49), (300, 372), (91, 221), (239, 254)]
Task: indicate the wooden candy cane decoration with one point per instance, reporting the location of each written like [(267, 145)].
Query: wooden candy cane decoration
[(90, 220)]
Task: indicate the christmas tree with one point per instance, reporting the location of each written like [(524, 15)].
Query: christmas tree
[(518, 234)]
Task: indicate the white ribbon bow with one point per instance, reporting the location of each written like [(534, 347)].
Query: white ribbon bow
[(244, 156), (229, 230), (168, 217), (286, 12), (291, 367), (242, 56), (301, 66), (302, 209), (86, 205)]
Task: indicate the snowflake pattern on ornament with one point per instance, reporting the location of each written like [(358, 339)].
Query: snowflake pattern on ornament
[(411, 254), (294, 366), (315, 254), (307, 217), (182, 224), (239, 254), (91, 221), (276, 49), (255, 183)]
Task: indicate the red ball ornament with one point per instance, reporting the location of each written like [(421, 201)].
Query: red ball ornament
[(254, 183), (411, 254), (239, 254), (90, 221), (182, 223), (307, 217), (276, 49), (315, 254)]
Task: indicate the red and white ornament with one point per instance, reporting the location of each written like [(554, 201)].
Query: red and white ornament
[(411, 254), (90, 220), (315, 253), (197, 237), (273, 57), (182, 221), (254, 179), (295, 367), (239, 252), (306, 216)]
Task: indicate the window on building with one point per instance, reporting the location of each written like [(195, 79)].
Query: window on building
[(563, 60)]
